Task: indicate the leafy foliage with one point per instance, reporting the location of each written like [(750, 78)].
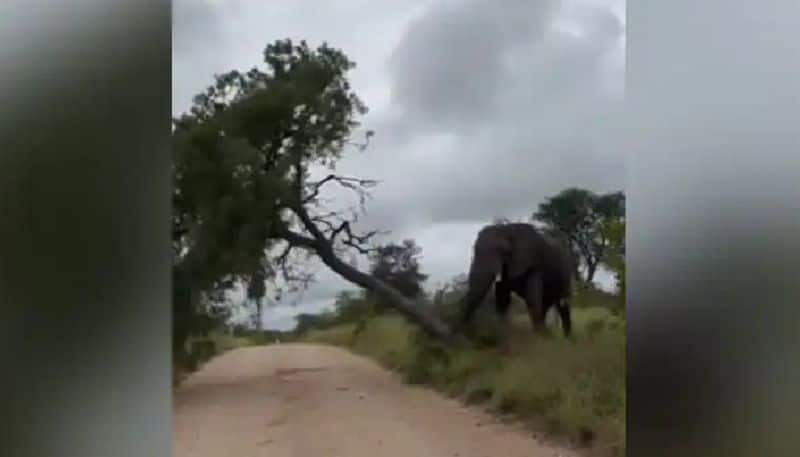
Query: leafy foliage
[(239, 154), (581, 215), (306, 322), (614, 257), (398, 266), (351, 306)]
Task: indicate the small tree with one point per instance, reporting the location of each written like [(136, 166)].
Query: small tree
[(398, 266)]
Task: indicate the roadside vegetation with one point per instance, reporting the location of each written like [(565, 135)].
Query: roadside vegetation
[(573, 390)]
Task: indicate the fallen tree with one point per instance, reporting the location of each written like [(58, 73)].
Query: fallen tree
[(245, 201)]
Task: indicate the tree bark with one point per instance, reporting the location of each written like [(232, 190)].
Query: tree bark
[(259, 323), (591, 267)]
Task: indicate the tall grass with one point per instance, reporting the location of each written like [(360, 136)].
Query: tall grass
[(574, 389)]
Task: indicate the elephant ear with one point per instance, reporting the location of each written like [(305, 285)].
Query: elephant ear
[(526, 250)]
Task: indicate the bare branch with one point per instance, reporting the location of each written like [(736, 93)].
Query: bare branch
[(363, 146), (356, 184), (353, 240), (310, 223), (324, 216), (287, 267), (320, 241)]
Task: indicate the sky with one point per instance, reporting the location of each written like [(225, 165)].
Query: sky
[(479, 112)]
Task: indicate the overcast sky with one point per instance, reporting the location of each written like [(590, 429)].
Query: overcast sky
[(479, 112)]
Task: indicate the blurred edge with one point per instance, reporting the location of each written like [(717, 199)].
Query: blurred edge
[(84, 202), (713, 101), (713, 227)]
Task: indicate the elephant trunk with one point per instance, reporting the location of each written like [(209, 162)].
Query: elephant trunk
[(480, 279)]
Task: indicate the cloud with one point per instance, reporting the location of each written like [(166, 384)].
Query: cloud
[(480, 111), (487, 126), (448, 67)]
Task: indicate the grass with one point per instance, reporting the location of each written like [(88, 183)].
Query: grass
[(225, 342), (574, 389)]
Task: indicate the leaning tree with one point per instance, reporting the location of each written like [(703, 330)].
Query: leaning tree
[(246, 198)]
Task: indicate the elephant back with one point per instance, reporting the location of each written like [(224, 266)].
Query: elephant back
[(563, 265)]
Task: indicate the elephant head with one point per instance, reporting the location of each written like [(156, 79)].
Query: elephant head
[(511, 249)]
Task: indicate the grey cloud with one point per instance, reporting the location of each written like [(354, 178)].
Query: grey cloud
[(446, 67), (214, 36), (193, 23), (554, 127), (198, 37)]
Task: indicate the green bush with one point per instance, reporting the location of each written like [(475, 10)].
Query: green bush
[(341, 335)]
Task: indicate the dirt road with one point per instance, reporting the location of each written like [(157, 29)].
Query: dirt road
[(317, 401)]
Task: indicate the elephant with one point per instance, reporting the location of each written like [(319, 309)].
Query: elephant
[(535, 266)]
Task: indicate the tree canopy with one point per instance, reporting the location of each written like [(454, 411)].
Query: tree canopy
[(397, 264), (583, 218)]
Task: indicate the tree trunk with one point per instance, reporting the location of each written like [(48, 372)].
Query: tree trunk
[(429, 322), (259, 324), (591, 267)]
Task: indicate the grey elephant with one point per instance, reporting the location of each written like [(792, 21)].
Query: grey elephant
[(536, 267)]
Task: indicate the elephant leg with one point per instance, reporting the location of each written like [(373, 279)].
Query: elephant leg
[(502, 296), (546, 307), (534, 301), (565, 313)]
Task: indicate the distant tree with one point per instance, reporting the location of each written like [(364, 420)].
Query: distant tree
[(351, 306), (579, 215), (306, 322), (256, 290), (398, 266), (614, 255)]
